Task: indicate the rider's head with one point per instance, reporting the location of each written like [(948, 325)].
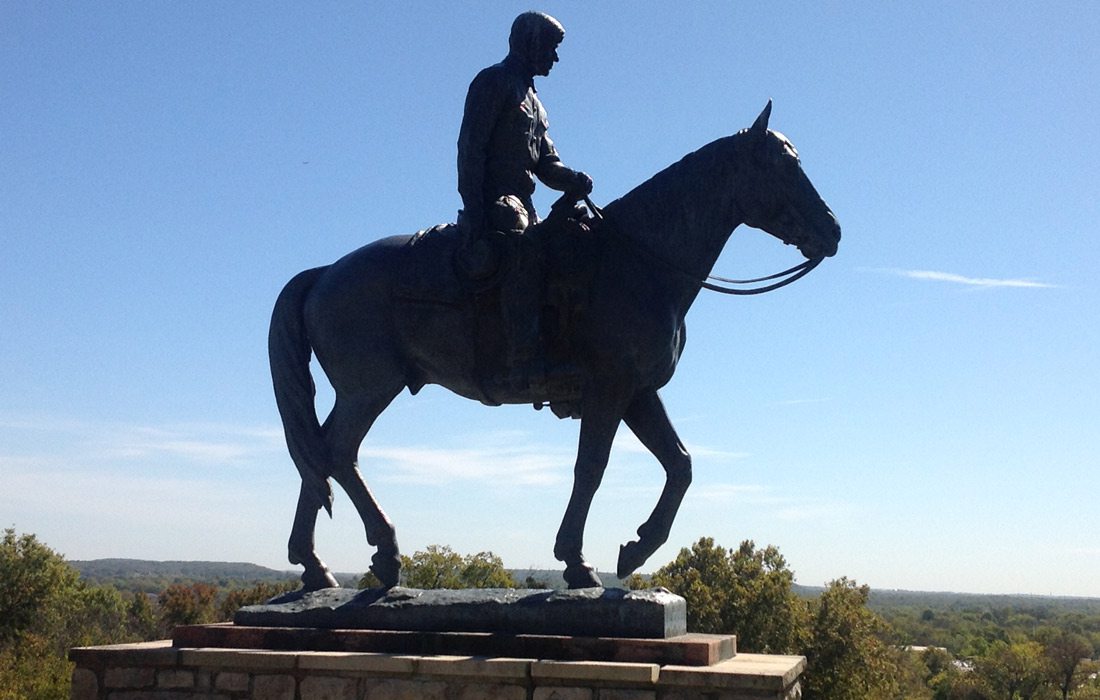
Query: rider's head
[(534, 40)]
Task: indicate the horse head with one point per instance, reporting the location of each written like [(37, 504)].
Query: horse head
[(780, 199)]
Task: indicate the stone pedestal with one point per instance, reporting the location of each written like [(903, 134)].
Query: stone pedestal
[(160, 671), (413, 645)]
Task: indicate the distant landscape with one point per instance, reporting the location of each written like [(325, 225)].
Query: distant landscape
[(153, 576)]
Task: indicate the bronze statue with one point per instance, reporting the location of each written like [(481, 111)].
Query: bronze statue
[(395, 314)]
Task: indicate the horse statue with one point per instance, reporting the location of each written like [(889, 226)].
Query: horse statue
[(648, 259)]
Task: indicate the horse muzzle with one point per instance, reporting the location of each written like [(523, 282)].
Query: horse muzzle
[(823, 241)]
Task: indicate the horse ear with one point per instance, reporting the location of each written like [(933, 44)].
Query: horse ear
[(760, 126)]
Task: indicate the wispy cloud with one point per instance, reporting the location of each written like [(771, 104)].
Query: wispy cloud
[(206, 444), (626, 442), (491, 458), (783, 507), (987, 282), (520, 465), (726, 493), (92, 442), (797, 402)]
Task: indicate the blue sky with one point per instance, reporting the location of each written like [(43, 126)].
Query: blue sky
[(920, 412)]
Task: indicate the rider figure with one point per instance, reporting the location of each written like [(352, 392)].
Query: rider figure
[(502, 147)]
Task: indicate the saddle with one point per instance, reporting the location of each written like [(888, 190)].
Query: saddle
[(560, 255)]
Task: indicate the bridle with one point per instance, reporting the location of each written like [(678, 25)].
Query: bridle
[(792, 274)]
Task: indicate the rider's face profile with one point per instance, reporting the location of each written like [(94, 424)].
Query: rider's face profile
[(544, 54)]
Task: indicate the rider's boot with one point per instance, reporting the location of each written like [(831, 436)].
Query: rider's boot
[(521, 298)]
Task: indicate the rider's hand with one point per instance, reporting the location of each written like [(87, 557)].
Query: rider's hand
[(582, 183)]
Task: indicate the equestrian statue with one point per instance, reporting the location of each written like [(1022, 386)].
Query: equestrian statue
[(582, 312)]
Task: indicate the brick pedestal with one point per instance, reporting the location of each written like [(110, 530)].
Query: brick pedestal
[(160, 671)]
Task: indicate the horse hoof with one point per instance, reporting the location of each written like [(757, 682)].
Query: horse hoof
[(581, 576), (631, 556), (387, 568), (315, 580)]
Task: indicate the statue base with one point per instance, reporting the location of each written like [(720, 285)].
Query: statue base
[(685, 650), (496, 645), (588, 612), (162, 671)]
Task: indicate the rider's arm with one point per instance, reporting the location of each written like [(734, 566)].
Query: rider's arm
[(555, 175)]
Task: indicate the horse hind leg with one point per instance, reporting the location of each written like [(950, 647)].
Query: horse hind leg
[(647, 419), (346, 427), (301, 546)]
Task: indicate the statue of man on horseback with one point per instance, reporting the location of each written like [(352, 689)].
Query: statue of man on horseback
[(399, 313), (503, 146)]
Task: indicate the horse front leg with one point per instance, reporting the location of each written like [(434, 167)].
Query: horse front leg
[(598, 425), (647, 419)]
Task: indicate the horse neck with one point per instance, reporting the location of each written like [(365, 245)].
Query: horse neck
[(684, 214)]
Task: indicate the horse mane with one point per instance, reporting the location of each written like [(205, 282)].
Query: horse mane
[(681, 205)]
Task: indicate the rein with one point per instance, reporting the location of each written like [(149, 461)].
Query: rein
[(792, 274)]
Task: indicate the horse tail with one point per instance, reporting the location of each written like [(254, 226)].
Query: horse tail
[(289, 351)]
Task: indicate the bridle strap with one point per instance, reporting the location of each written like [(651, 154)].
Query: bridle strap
[(795, 273)]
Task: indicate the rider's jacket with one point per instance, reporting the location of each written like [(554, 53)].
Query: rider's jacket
[(502, 143)]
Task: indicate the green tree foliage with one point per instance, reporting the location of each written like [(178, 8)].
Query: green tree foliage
[(1015, 670), (439, 566), (533, 583), (141, 617), (44, 610), (259, 593), (1065, 653), (749, 591), (848, 657), (744, 590), (960, 683), (187, 604), (1089, 688)]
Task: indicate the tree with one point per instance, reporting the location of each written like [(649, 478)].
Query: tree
[(703, 576), (262, 592), (485, 570), (34, 581), (439, 566), (1065, 652), (1016, 668), (141, 618), (747, 591), (847, 657), (187, 604), (44, 610)]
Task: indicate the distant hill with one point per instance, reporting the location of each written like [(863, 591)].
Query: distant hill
[(192, 570), (891, 598), (155, 576)]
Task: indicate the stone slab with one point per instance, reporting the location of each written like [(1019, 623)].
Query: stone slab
[(588, 612), (685, 650), (156, 653), (764, 672)]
